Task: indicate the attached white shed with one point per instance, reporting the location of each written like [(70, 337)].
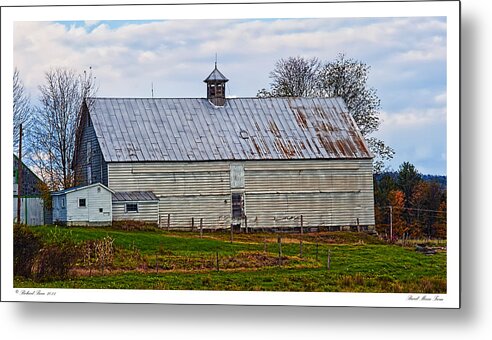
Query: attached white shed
[(137, 206), (83, 206)]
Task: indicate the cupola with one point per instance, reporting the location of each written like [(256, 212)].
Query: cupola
[(216, 87)]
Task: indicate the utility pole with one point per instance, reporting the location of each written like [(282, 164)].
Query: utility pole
[(19, 177)]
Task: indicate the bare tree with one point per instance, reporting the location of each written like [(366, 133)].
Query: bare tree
[(57, 121), (22, 111), (346, 78), (294, 77)]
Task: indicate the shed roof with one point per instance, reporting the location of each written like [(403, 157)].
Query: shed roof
[(192, 129), (80, 187), (125, 196)]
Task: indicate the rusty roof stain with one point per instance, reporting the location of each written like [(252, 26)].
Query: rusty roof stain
[(191, 129)]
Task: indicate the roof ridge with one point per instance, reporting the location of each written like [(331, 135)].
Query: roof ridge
[(228, 98)]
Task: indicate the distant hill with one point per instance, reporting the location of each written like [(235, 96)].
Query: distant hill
[(428, 178), (436, 178)]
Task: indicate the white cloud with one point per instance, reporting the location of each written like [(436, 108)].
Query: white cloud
[(431, 54), (176, 55), (157, 47), (412, 117), (441, 98), (90, 23)]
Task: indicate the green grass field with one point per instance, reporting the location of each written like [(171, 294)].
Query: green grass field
[(182, 260)]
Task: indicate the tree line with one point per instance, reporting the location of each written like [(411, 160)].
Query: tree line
[(411, 206)]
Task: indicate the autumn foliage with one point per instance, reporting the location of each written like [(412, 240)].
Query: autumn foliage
[(406, 206)]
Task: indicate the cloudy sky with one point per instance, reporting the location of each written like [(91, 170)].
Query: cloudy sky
[(407, 58)]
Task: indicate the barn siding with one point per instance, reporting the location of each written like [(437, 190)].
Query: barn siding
[(99, 171), (276, 193), (147, 212), (30, 182), (326, 193), (31, 212), (214, 210)]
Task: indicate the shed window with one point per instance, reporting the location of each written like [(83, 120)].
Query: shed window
[(62, 202), (82, 203), (131, 207)]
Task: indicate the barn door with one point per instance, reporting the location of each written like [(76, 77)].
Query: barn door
[(237, 206), (237, 209), (237, 193)]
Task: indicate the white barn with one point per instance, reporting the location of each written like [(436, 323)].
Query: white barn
[(83, 206), (264, 162)]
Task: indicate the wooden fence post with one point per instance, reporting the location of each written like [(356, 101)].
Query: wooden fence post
[(201, 227), (302, 235), (246, 223), (279, 240), (358, 226), (168, 221), (232, 233), (192, 223)]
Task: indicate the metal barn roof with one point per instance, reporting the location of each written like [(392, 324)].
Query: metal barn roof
[(125, 196), (192, 129)]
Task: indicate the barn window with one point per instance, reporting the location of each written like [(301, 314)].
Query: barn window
[(82, 203), (237, 205), (62, 202), (131, 207)]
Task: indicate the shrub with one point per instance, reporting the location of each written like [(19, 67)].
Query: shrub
[(55, 256), (54, 261), (26, 247), (98, 252)]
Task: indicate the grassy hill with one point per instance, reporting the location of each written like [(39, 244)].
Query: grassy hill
[(156, 259)]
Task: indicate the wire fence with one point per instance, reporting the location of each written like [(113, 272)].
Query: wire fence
[(266, 250), (397, 223)]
